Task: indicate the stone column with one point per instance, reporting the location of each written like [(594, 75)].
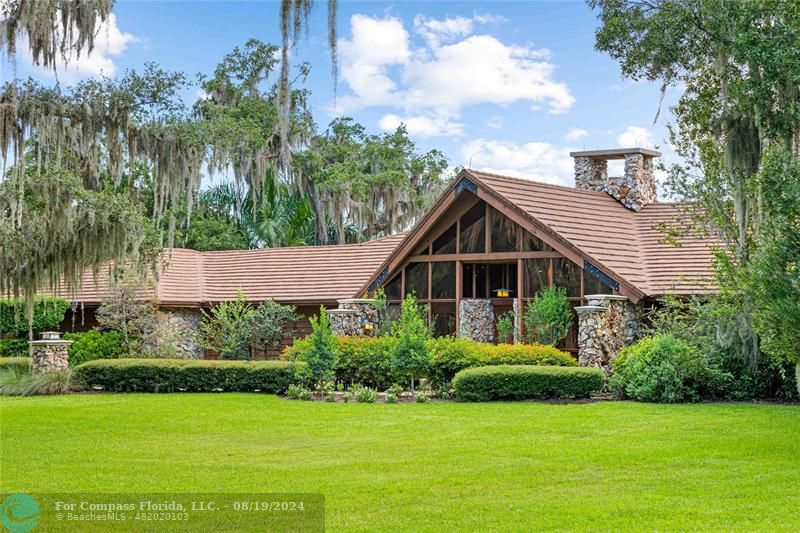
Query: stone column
[(50, 353), (517, 311), (354, 317), (606, 325), (591, 173), (477, 319)]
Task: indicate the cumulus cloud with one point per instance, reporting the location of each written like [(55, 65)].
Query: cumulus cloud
[(634, 136), (495, 123), (575, 133), (109, 43), (427, 126), (447, 67), (539, 161)]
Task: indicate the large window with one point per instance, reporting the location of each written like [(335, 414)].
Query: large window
[(446, 243), (417, 280), (443, 277), (536, 276), (568, 275), (473, 230), (504, 233)]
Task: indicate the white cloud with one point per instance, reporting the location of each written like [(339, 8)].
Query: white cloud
[(538, 161), (575, 133), (451, 69), (427, 126), (495, 123), (635, 136), (109, 43)]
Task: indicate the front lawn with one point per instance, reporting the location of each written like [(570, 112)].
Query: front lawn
[(445, 466)]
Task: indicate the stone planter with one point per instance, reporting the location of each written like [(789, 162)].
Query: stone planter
[(50, 353)]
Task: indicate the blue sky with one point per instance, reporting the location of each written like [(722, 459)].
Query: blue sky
[(505, 86)]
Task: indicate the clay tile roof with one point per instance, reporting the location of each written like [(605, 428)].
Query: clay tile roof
[(629, 243), (298, 275)]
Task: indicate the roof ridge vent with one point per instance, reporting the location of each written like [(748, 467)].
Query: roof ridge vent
[(635, 189)]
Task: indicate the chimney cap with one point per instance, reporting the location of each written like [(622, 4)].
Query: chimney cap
[(615, 153)]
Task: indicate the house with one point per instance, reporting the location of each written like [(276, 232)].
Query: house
[(484, 248)]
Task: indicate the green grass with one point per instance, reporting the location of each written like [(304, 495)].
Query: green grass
[(440, 466)]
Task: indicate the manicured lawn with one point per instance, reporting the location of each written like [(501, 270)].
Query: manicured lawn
[(445, 466)]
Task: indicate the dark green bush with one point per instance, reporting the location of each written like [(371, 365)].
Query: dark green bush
[(23, 364), (170, 375), (91, 345), (665, 369), (48, 313), (524, 382), (13, 347)]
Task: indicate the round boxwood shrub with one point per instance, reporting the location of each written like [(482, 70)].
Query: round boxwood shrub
[(525, 382), (664, 369)]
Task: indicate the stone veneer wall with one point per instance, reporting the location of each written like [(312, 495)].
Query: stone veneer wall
[(349, 319), (49, 356), (184, 323), (606, 325), (477, 319), (635, 189)]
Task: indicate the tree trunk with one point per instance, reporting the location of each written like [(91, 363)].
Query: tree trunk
[(412, 386), (320, 228)]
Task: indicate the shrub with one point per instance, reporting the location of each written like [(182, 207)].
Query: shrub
[(411, 356), (505, 327), (17, 382), (366, 360), (225, 328), (450, 356), (323, 347), (364, 394), (548, 317), (91, 345), (13, 347), (23, 364), (169, 375), (505, 382), (48, 313), (664, 369)]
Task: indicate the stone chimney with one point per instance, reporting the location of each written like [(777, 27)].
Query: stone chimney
[(634, 190)]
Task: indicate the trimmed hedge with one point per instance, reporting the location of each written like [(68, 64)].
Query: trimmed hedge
[(14, 347), (524, 382), (368, 360), (93, 344), (21, 364), (171, 375)]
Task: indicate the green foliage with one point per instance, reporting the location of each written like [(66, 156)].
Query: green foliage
[(48, 313), (15, 381), (226, 327), (91, 345), (364, 394), (548, 317), (178, 375), (411, 356), (323, 347), (13, 347), (23, 364), (366, 360), (298, 392), (271, 322), (139, 322), (523, 382), (665, 369), (505, 327)]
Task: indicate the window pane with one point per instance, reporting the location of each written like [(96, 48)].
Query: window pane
[(392, 289), (504, 233), (592, 285), (444, 280), (443, 319), (473, 230), (446, 243), (417, 280), (531, 243), (568, 275), (535, 276)]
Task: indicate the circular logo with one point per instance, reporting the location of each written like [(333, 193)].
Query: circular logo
[(19, 513)]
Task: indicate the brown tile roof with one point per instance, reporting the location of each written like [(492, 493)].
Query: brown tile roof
[(628, 243), (298, 275)]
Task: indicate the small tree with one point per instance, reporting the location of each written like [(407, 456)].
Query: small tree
[(548, 317), (505, 327), (226, 328), (125, 312), (271, 322), (324, 347), (411, 356)]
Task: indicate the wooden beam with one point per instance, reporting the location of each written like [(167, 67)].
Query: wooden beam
[(488, 229), (520, 288), (497, 257), (459, 275), (403, 283)]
